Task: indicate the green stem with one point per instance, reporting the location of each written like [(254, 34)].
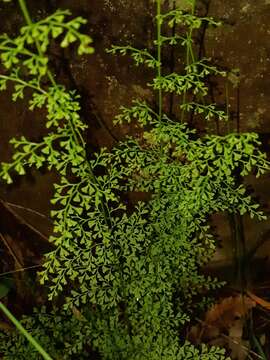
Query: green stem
[(172, 61), (76, 134), (189, 53), (190, 56), (159, 44), (21, 51), (25, 12), (29, 22), (227, 105), (22, 82), (25, 332)]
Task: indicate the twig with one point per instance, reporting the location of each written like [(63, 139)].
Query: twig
[(26, 209), (228, 338), (11, 251), (23, 221), (265, 304), (19, 270)]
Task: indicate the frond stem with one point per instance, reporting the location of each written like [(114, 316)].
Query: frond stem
[(159, 47)]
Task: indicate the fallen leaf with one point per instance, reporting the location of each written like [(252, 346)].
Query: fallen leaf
[(265, 304), (224, 314)]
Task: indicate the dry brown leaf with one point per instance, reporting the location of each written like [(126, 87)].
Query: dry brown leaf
[(222, 317), (238, 347), (224, 314), (226, 317), (265, 304)]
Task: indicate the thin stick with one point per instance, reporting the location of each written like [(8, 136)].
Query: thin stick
[(23, 221), (231, 339), (26, 209), (19, 270), (18, 325), (11, 251)]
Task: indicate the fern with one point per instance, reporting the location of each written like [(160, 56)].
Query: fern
[(62, 333), (132, 271)]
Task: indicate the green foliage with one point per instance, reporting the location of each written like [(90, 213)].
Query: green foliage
[(139, 56), (68, 335), (23, 332), (133, 271), (62, 334), (18, 50)]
